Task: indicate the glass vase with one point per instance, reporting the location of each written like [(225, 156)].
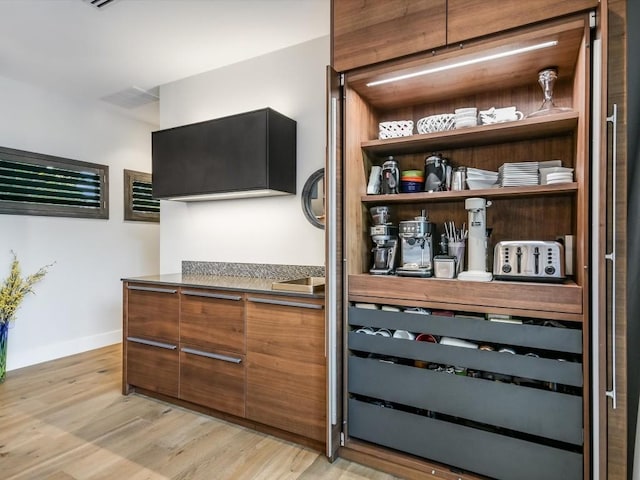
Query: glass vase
[(4, 339), (547, 79)]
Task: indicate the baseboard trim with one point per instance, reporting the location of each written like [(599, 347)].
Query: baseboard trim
[(62, 349)]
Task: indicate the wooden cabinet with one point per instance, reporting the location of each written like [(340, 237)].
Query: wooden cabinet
[(212, 347), (257, 357), (369, 32), (366, 33), (150, 346), (468, 19), (388, 396), (286, 364)]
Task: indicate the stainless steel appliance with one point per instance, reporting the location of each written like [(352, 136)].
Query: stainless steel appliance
[(531, 260), (385, 239), (416, 246), (390, 177), (437, 173)]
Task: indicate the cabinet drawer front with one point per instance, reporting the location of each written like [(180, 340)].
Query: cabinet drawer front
[(212, 320), (212, 382), (527, 336), (152, 313), (472, 449), (548, 370), (287, 394), (533, 411), (286, 331), (152, 368)]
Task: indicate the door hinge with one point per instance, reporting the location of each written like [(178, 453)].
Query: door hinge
[(342, 439), (592, 19)]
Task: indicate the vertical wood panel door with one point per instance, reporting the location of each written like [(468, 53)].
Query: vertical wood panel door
[(286, 373), (367, 32), (153, 314), (213, 320), (468, 19)]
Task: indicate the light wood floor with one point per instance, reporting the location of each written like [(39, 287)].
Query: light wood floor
[(67, 419)]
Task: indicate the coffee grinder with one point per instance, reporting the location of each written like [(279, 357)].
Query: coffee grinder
[(477, 208), (416, 245), (385, 239)]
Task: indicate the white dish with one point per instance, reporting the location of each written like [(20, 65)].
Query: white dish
[(480, 184), (390, 308), (457, 342), (366, 330), (479, 171), (404, 334), (368, 306), (383, 332)]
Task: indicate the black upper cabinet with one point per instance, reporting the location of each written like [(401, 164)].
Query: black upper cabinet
[(250, 154)]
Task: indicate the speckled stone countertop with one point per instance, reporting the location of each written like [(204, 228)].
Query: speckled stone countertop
[(244, 284)]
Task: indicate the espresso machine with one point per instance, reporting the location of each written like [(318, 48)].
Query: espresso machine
[(385, 239), (416, 246)]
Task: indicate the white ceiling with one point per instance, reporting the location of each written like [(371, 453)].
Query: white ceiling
[(73, 48)]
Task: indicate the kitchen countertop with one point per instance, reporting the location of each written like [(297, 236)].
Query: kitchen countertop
[(245, 284)]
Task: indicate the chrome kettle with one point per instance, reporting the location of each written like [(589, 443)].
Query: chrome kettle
[(390, 177)]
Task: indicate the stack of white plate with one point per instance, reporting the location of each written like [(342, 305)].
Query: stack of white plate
[(551, 175), (519, 174), (478, 178), (466, 117)]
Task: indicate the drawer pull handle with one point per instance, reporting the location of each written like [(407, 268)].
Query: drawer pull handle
[(152, 289), (219, 296), (286, 303), (152, 343), (215, 356)]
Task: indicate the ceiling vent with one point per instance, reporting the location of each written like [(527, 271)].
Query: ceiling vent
[(100, 3), (132, 97)]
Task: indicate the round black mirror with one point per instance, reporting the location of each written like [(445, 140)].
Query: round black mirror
[(313, 198)]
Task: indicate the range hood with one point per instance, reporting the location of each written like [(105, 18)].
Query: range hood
[(250, 154)]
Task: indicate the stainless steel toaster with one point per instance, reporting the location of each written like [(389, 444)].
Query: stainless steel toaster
[(531, 260)]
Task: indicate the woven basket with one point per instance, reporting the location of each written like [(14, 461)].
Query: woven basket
[(436, 123), (400, 128)]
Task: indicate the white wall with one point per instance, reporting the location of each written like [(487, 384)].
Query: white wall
[(78, 305), (263, 230)]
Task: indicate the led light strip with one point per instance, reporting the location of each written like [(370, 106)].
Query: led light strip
[(465, 63)]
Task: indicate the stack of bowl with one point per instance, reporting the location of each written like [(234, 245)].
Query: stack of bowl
[(466, 117), (411, 181)]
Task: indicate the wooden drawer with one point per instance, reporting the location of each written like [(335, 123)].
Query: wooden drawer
[(152, 312), (213, 320), (213, 379), (152, 367)]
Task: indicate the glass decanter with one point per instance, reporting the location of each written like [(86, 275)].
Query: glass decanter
[(547, 78)]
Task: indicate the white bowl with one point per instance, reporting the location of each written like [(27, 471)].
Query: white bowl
[(481, 184)]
